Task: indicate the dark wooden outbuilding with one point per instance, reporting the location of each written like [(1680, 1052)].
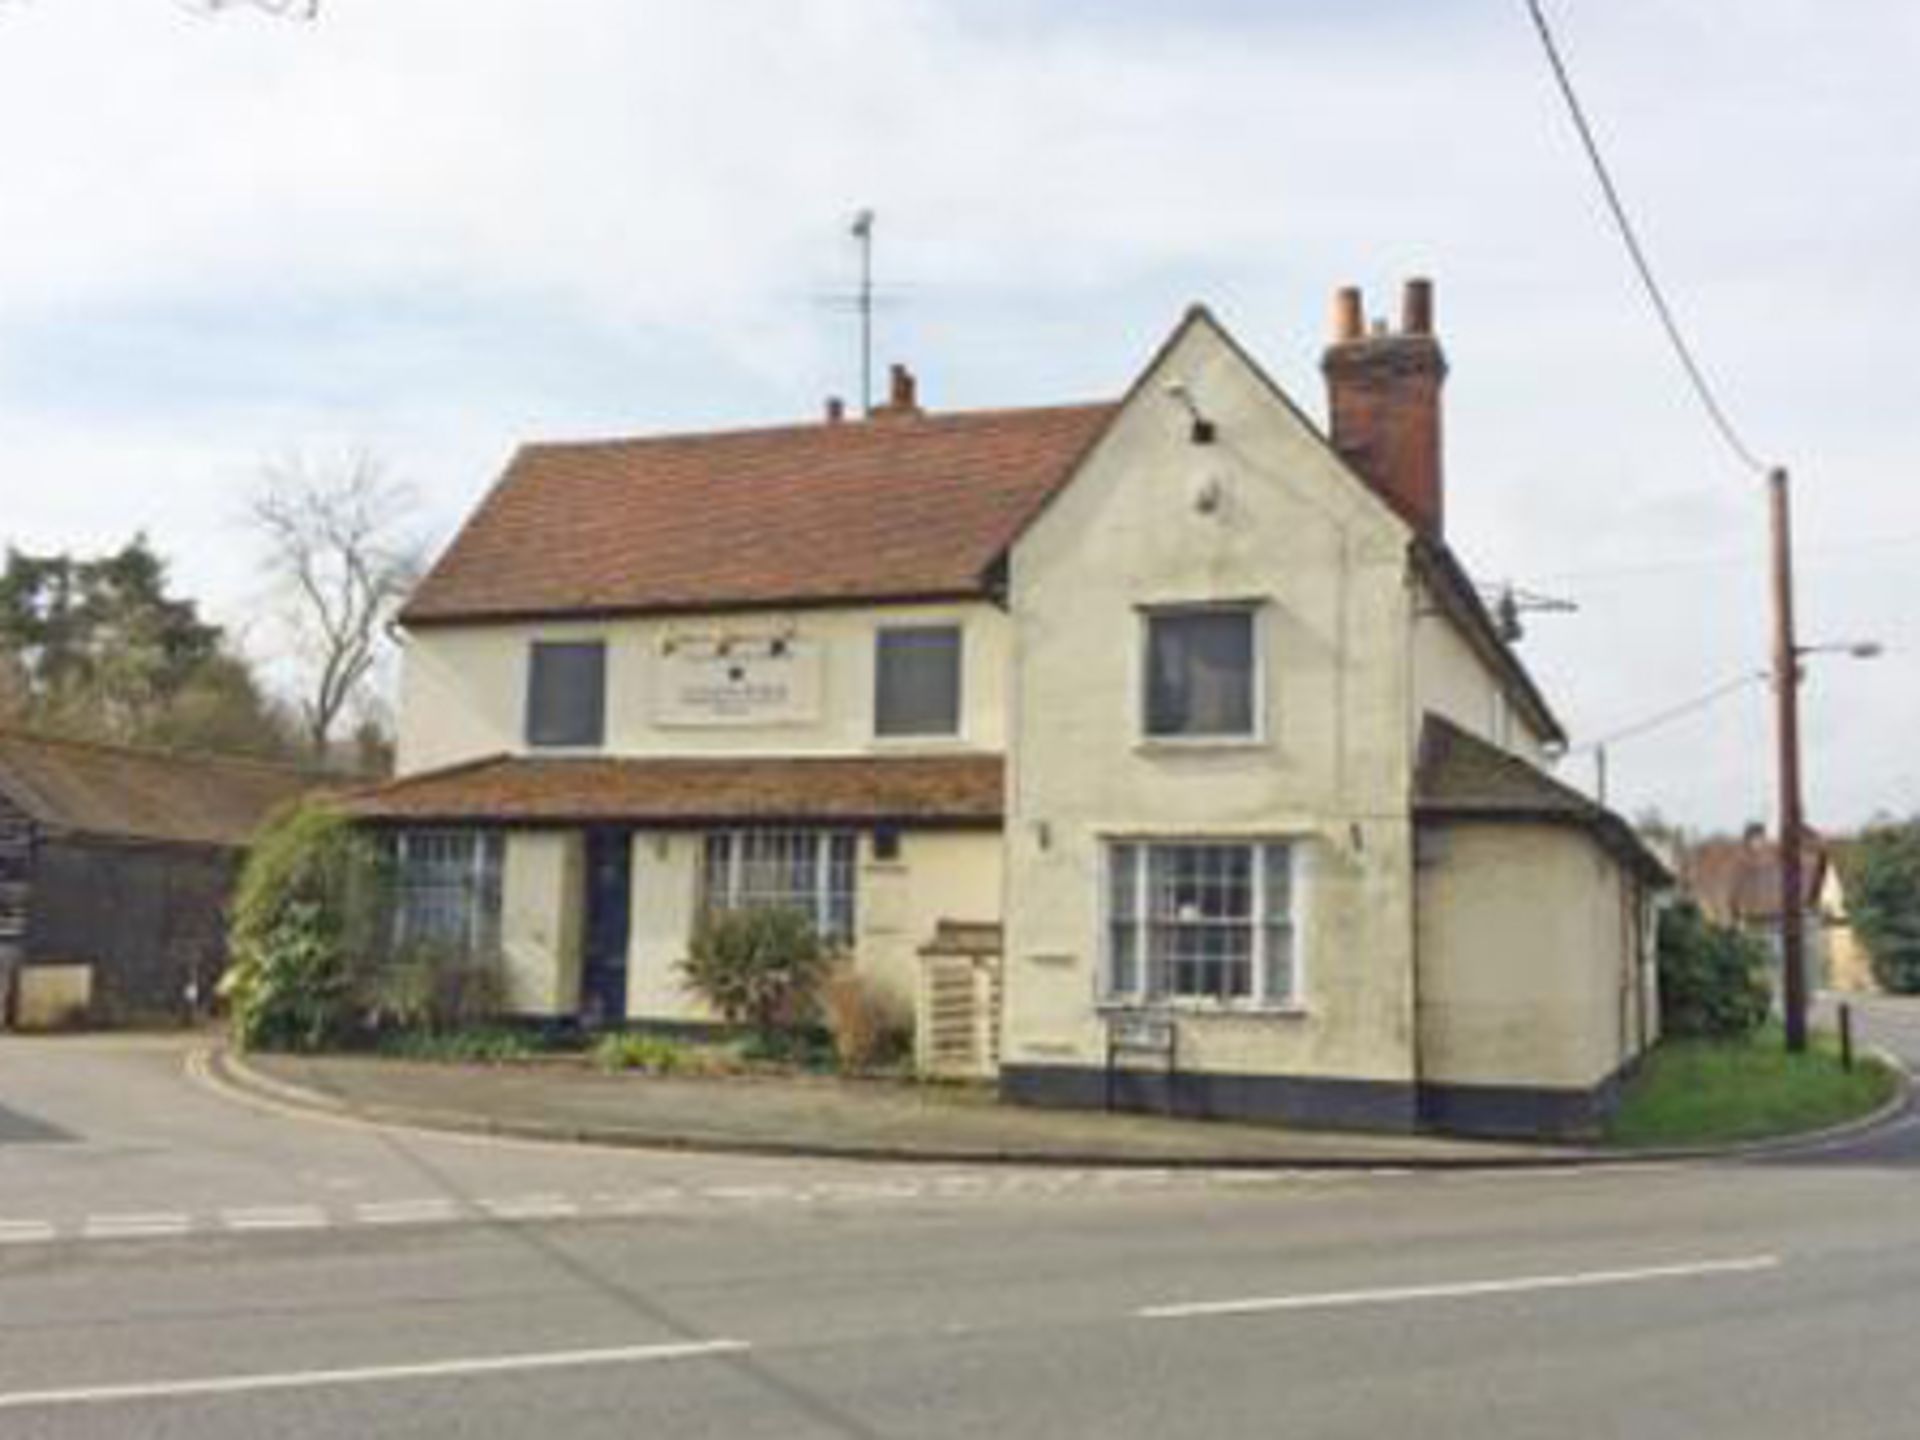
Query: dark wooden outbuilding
[(122, 860)]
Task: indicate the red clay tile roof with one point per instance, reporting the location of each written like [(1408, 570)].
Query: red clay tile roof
[(827, 790), (123, 793), (902, 507)]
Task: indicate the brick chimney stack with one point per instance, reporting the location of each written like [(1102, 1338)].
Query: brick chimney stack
[(1383, 402)]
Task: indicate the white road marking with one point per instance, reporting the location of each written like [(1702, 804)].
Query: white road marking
[(404, 1212), (367, 1375), (25, 1232), (1334, 1299), (530, 1207), (747, 1192), (275, 1217), (115, 1227)]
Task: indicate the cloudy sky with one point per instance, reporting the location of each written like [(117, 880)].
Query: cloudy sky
[(436, 227)]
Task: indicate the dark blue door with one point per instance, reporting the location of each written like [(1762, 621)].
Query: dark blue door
[(603, 969)]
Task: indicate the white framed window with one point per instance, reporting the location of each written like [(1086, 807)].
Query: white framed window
[(1202, 920), (811, 871), (916, 681), (1201, 673), (446, 890)]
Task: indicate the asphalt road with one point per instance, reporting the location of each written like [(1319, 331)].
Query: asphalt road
[(172, 1263)]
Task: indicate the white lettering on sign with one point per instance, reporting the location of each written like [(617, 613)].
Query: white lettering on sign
[(751, 680)]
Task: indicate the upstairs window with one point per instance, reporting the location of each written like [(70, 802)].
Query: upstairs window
[(917, 681), (1200, 680), (567, 692)]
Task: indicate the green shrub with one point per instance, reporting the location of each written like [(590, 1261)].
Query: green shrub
[(1882, 875), (760, 967), (1712, 977), (304, 917)]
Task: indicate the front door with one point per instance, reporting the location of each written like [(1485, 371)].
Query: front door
[(603, 966)]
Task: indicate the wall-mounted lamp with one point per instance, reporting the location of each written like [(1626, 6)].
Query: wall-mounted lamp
[(1203, 428)]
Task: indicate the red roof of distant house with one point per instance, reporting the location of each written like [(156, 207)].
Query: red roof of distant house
[(1739, 879), (825, 790), (903, 506)]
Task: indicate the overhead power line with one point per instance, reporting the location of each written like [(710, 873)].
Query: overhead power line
[(1676, 712), (1637, 252)]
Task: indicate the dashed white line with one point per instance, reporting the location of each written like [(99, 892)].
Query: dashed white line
[(275, 1217), (25, 1232), (530, 1207), (136, 1226), (404, 1212)]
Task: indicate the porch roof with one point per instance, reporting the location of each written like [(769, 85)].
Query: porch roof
[(944, 790)]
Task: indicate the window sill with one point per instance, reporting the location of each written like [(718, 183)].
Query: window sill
[(1208, 1009), (1197, 744)]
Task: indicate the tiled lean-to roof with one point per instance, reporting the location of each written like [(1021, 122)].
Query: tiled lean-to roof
[(118, 792), (1462, 777), (850, 790), (909, 506)]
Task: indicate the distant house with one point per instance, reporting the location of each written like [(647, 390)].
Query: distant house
[(1737, 882), (1174, 717), (115, 867)]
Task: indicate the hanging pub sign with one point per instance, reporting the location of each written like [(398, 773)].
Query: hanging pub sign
[(736, 679)]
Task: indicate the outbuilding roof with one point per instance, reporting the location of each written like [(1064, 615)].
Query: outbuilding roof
[(947, 790), (1463, 777), (155, 796)]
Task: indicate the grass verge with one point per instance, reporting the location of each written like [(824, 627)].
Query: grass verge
[(1694, 1092)]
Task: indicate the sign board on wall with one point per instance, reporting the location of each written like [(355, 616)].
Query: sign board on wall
[(748, 679)]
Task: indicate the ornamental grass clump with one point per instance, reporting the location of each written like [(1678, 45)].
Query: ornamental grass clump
[(762, 968)]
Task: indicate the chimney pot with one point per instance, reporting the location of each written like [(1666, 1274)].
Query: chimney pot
[(902, 392), (1416, 307), (1347, 324), (836, 410)]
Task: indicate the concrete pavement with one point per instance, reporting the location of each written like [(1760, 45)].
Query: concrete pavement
[(814, 1116), (1752, 1299)]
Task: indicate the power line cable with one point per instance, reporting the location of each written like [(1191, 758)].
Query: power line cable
[(1675, 712), (1695, 374)]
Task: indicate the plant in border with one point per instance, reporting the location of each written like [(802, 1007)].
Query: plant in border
[(1882, 874), (1712, 977), (871, 1029), (759, 967), (304, 916)]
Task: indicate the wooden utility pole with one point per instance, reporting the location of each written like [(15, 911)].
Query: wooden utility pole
[(1786, 687)]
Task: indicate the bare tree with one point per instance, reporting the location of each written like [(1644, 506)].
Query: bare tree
[(339, 549)]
